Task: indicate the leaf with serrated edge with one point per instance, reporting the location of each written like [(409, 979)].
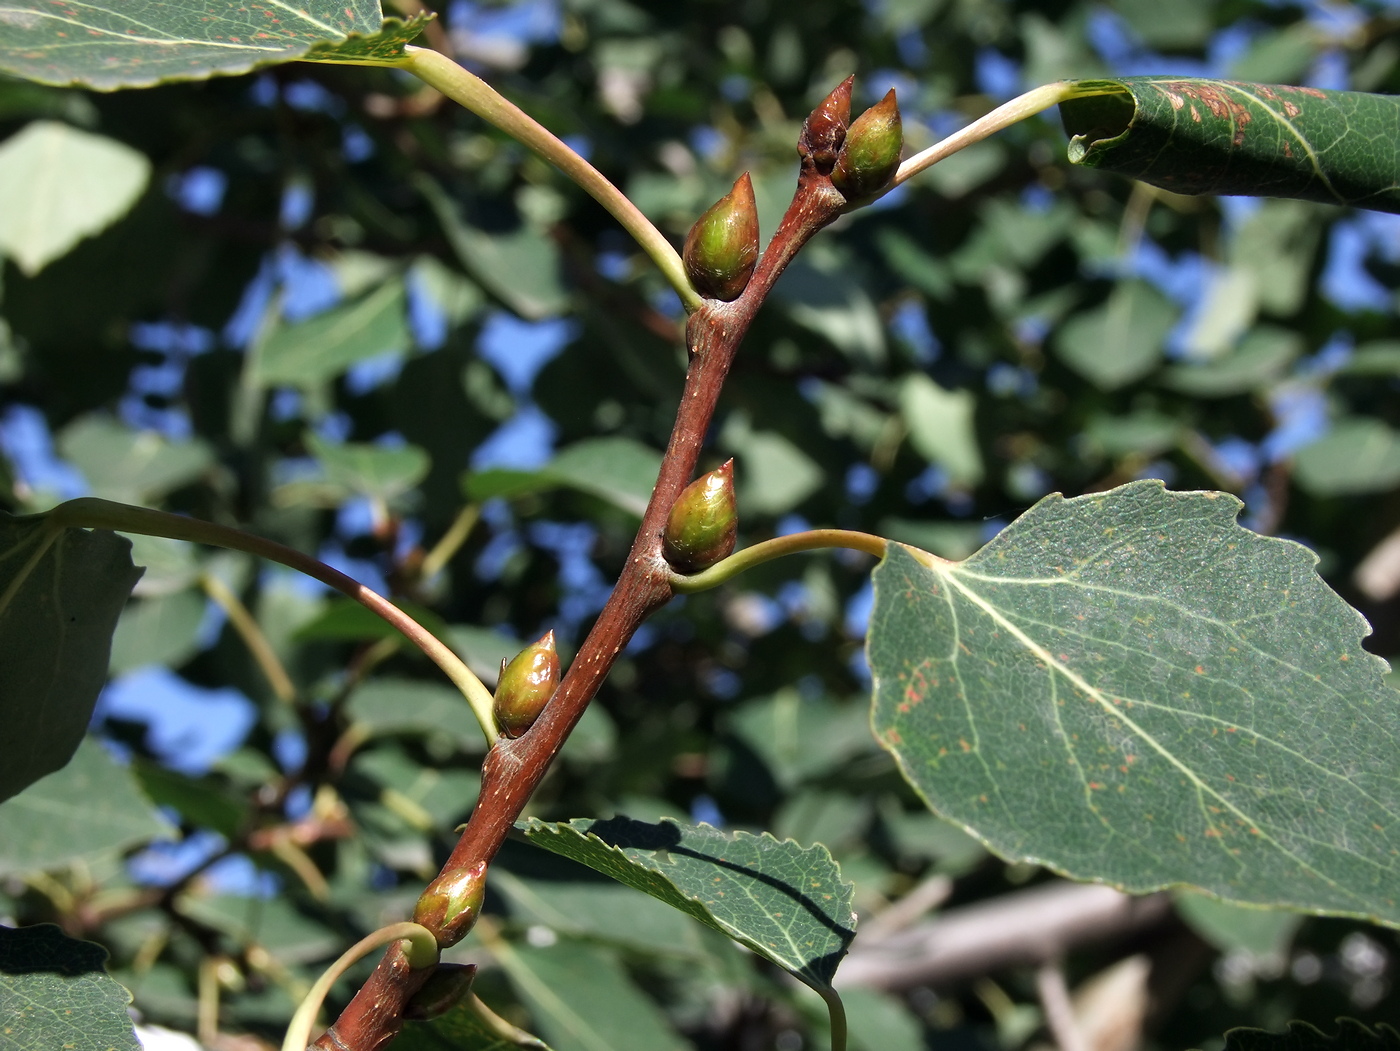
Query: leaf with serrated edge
[(460, 1029), (385, 47), (111, 44), (1129, 687), (93, 806), (55, 992), (1351, 1035), (785, 902), (60, 595), (1191, 135)]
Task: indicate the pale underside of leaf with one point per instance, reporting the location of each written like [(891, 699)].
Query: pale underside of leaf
[(108, 45)]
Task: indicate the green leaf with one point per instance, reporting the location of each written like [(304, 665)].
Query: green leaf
[(90, 807), (162, 629), (774, 475), (1358, 455), (800, 739), (379, 472), (1126, 687), (785, 902), (1351, 1035), (345, 620), (60, 185), (60, 596), (1261, 358), (1215, 136), (385, 47), (835, 308), (520, 268), (1144, 432), (275, 924), (201, 801), (320, 348), (131, 466), (483, 649), (414, 706), (1119, 341), (460, 1029), (621, 471), (55, 993), (941, 427), (106, 45), (1378, 358), (582, 999), (600, 910), (1263, 933), (881, 1022)]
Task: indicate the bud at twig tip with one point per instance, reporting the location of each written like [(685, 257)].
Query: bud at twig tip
[(825, 127), (870, 155), (704, 522), (722, 247)]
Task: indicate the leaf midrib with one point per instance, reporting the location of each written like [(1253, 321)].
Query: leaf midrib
[(1096, 695)]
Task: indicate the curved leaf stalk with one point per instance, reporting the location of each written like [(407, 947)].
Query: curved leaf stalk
[(1005, 115), (252, 635), (91, 513), (441, 553), (475, 94), (500, 1028), (811, 540), (836, 1011), (421, 950)]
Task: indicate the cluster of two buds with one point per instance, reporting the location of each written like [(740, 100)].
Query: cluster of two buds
[(859, 158)]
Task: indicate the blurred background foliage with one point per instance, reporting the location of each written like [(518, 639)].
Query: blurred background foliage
[(348, 316)]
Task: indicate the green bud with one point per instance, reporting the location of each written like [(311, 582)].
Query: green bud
[(825, 128), (451, 904), (526, 685), (704, 522), (871, 153), (722, 246), (445, 988)]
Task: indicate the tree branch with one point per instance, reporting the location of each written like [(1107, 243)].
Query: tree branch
[(513, 768)]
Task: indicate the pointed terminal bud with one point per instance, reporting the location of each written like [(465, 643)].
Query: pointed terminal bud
[(451, 904), (871, 154), (445, 988), (722, 246), (526, 685), (825, 127), (704, 522)]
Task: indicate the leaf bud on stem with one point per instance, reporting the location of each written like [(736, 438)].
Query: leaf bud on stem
[(870, 155), (450, 905), (445, 989), (704, 522), (526, 685), (722, 247), (825, 128)]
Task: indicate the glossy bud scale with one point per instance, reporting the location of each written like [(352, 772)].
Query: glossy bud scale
[(451, 904), (703, 523), (526, 685), (722, 246), (445, 988), (870, 155), (825, 128)]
